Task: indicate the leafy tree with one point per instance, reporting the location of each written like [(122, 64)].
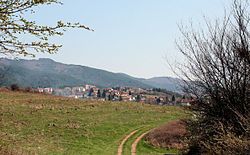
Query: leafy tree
[(217, 72), (14, 25)]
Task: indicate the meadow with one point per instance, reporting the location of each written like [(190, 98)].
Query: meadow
[(44, 124)]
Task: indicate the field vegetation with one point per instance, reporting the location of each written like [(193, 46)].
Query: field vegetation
[(44, 124)]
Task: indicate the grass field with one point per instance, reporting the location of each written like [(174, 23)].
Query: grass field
[(42, 124)]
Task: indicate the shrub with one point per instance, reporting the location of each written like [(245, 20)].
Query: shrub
[(14, 87), (168, 136), (28, 89), (217, 73)]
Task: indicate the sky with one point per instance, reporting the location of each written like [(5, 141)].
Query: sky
[(136, 37)]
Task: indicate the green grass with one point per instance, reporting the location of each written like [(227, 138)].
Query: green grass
[(40, 124)]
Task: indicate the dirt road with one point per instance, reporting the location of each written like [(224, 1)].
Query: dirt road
[(134, 145), (120, 148)]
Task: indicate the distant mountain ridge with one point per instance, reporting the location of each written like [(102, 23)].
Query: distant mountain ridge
[(45, 72), (169, 83)]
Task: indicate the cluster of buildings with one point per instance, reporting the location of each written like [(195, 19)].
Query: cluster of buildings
[(118, 94)]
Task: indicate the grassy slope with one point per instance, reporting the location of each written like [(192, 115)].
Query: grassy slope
[(43, 124)]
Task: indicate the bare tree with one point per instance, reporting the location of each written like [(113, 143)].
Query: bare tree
[(217, 71)]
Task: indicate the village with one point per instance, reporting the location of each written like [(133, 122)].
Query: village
[(125, 94)]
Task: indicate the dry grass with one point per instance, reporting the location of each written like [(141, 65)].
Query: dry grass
[(4, 89), (168, 136)]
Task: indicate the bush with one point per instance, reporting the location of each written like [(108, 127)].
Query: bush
[(14, 87), (28, 89), (211, 136), (217, 72), (168, 136)]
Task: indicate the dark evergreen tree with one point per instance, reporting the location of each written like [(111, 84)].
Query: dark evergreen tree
[(173, 98), (158, 100), (138, 98), (91, 92), (99, 93), (104, 93), (120, 98), (130, 93), (109, 97)]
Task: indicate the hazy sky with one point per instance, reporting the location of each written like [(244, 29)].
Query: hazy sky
[(131, 36)]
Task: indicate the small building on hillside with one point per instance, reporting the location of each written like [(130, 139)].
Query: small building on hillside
[(45, 90)]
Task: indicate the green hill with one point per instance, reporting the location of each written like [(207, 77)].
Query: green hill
[(48, 73)]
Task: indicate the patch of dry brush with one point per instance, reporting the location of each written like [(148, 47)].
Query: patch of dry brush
[(168, 136)]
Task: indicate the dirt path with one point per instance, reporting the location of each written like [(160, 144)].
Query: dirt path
[(120, 148), (134, 145)]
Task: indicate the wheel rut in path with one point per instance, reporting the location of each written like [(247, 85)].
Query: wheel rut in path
[(120, 148), (135, 143)]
